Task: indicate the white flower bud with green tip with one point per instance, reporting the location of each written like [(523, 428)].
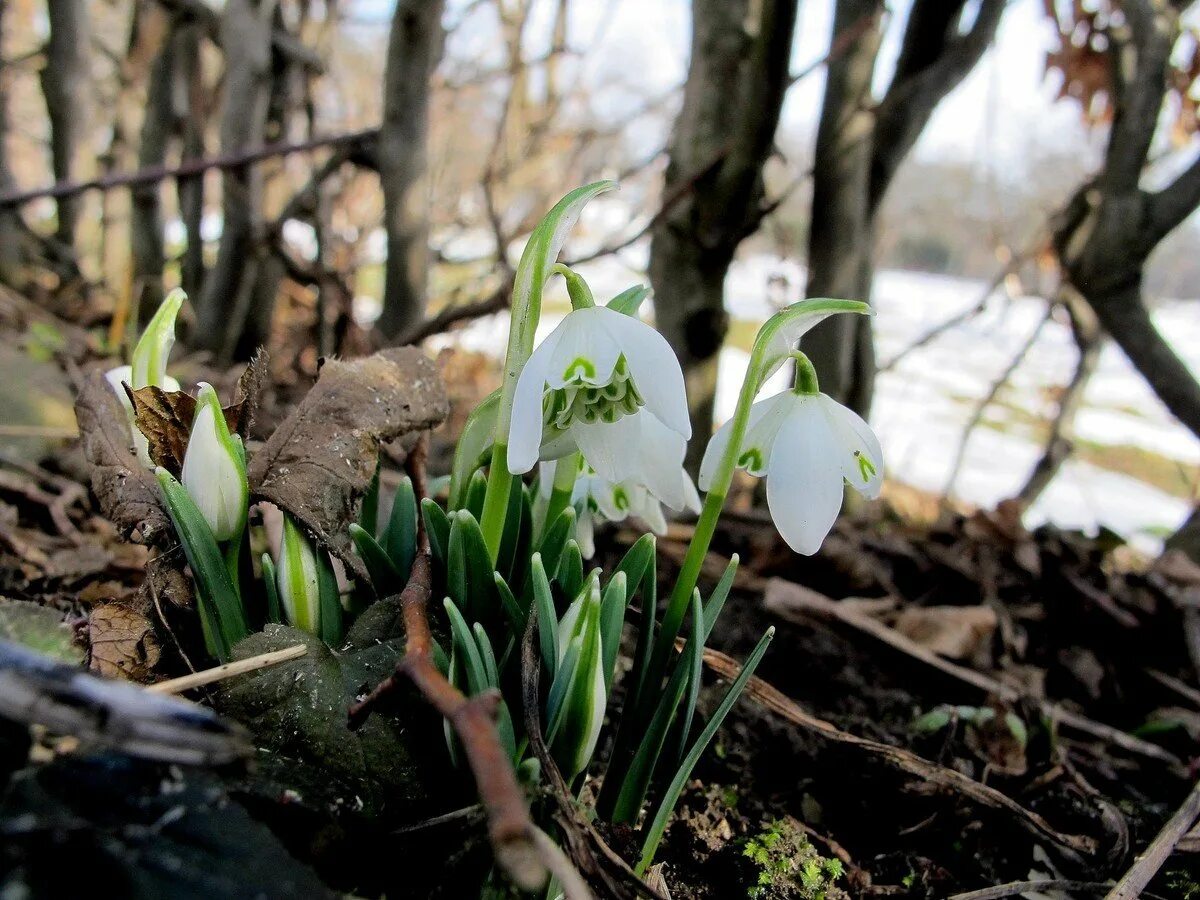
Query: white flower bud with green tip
[(214, 468), (576, 728), (807, 445), (604, 383), (298, 579)]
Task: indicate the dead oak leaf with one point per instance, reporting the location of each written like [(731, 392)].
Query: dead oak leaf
[(123, 643), (320, 460)]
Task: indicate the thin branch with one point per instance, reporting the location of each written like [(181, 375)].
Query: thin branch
[(1174, 203), (1146, 866), (457, 313), (191, 167), (515, 839), (282, 41), (987, 400)]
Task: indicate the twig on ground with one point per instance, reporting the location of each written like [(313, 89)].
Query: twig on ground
[(1078, 847), (228, 670), (1015, 888), (800, 601), (515, 839), (1147, 864)]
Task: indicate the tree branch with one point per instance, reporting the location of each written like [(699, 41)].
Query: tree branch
[(1174, 203)]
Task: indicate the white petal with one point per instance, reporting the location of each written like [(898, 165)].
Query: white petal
[(585, 534), (568, 625), (606, 447), (584, 349), (720, 440), (691, 498), (654, 367), (649, 510), (762, 430), (613, 500), (857, 445), (660, 451), (525, 427), (804, 479)]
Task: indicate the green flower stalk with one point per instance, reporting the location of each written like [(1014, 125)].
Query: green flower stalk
[(214, 468)]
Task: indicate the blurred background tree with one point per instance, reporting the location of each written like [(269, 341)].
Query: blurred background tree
[(323, 176)]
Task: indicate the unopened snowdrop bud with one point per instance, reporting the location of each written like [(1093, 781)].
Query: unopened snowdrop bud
[(297, 576), (214, 468), (154, 346), (580, 716)]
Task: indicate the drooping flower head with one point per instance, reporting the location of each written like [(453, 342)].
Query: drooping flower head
[(214, 468), (298, 579), (609, 385)]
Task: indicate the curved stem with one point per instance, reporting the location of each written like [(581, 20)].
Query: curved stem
[(565, 472)]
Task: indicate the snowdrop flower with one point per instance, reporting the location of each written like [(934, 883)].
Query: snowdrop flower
[(580, 715), (598, 500), (807, 445), (214, 468), (298, 580), (610, 386), (149, 366)]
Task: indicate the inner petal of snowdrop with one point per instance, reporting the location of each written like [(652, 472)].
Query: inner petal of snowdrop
[(580, 400)]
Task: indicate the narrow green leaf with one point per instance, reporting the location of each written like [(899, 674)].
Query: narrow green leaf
[(716, 601), (671, 795), (512, 609), (555, 542), (207, 564), (480, 576), (547, 617), (693, 663), (466, 650), (368, 515), (437, 526), (558, 688), (400, 537), (487, 655), (513, 559), (473, 448), (476, 494), (384, 578), (629, 300), (329, 598), (274, 608), (612, 617), (456, 564), (570, 570)]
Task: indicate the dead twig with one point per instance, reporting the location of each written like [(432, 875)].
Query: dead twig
[(228, 670), (1016, 888), (1078, 847), (1146, 866), (515, 839), (800, 601)]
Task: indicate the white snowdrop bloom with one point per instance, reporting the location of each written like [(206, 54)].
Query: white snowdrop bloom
[(297, 578), (610, 386), (599, 500), (806, 445), (214, 468), (119, 377), (582, 717)]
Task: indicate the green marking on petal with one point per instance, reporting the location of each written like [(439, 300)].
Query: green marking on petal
[(751, 459), (620, 499), (581, 367), (866, 468)]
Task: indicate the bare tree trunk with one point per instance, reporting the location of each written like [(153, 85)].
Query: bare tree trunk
[(193, 112), (1112, 224), (414, 46), (860, 145), (736, 82), (246, 39), (145, 218), (841, 232), (67, 86), (1086, 330), (12, 256)]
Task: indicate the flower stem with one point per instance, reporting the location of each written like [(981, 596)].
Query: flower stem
[(495, 501), (565, 471), (806, 376), (577, 288)]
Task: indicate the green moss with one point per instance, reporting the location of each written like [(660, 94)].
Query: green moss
[(788, 866)]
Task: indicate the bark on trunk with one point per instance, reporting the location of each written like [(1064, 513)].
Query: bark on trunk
[(66, 86), (736, 82), (860, 145), (190, 107), (12, 256), (414, 46), (246, 39)]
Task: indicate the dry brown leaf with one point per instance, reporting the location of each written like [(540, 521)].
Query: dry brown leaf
[(128, 492), (123, 643), (320, 460), (956, 632)]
